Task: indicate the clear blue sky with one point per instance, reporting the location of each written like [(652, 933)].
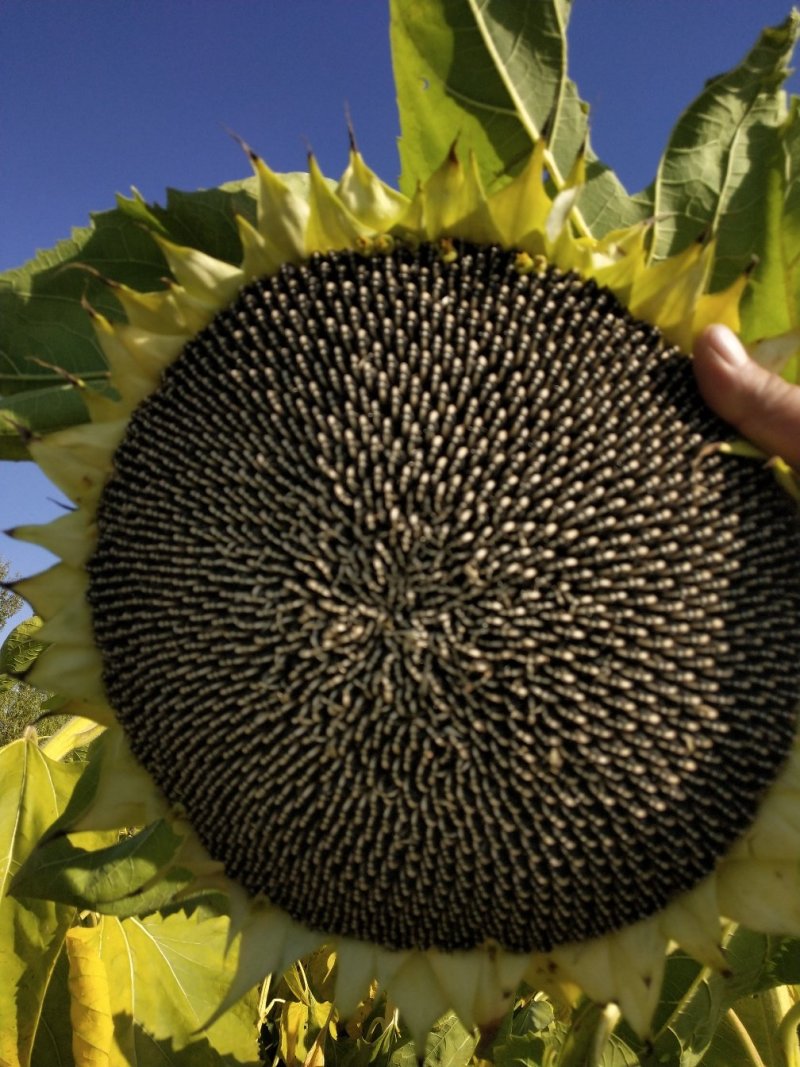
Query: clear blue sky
[(99, 95)]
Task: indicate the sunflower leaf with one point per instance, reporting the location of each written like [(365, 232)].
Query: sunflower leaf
[(52, 1046), (717, 162), (448, 84), (772, 302), (494, 73), (124, 878), (20, 649), (164, 979), (449, 1044), (750, 1029), (47, 342), (695, 1000), (34, 791)]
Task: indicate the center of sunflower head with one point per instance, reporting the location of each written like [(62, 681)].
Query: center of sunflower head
[(415, 587)]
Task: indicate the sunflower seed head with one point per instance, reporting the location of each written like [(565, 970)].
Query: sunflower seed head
[(415, 586)]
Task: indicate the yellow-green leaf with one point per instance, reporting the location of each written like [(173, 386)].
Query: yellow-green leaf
[(772, 302), (165, 977), (714, 171), (90, 1004), (33, 792)]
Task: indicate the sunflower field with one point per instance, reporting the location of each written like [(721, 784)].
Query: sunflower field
[(421, 649)]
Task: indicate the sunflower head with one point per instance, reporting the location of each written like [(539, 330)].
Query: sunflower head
[(409, 565)]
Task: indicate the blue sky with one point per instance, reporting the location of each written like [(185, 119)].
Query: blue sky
[(99, 95)]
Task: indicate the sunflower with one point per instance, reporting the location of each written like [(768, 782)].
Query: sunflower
[(418, 589)]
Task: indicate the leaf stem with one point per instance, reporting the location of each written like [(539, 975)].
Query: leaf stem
[(788, 1035), (744, 1038)]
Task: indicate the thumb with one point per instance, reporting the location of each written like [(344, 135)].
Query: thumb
[(763, 407)]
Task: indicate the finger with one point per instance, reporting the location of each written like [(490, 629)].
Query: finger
[(763, 407)]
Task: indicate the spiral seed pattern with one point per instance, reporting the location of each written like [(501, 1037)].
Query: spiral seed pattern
[(418, 587)]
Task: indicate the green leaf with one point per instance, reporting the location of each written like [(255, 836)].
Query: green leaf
[(772, 303), (165, 978), (590, 1041), (493, 73), (750, 1032), (134, 875), (448, 87), (20, 649), (42, 409), (47, 340), (695, 1000), (35, 790), (717, 163), (449, 1044), (53, 1044)]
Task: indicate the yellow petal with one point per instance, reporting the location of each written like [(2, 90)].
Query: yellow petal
[(387, 963), (78, 460), (282, 215), (369, 199), (355, 970), (418, 995), (69, 672), (72, 625), (210, 281), (775, 834), (258, 260), (454, 203), (618, 264), (330, 225), (72, 537), (49, 592), (458, 974), (693, 922), (520, 209), (587, 964), (666, 293), (501, 974), (168, 310), (722, 306), (637, 954), (562, 247), (761, 894)]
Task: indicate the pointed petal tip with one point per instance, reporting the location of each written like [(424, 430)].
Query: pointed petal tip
[(245, 147)]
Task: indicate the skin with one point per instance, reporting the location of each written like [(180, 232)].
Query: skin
[(762, 406)]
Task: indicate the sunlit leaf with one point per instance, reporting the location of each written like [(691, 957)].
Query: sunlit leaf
[(772, 303), (716, 166), (493, 73), (33, 791), (166, 977), (20, 648), (90, 1003)]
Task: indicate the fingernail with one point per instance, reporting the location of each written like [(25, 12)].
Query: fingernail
[(726, 345)]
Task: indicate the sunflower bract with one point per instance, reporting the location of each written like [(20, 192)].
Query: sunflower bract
[(419, 565)]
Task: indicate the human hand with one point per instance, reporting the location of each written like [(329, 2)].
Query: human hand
[(762, 406)]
